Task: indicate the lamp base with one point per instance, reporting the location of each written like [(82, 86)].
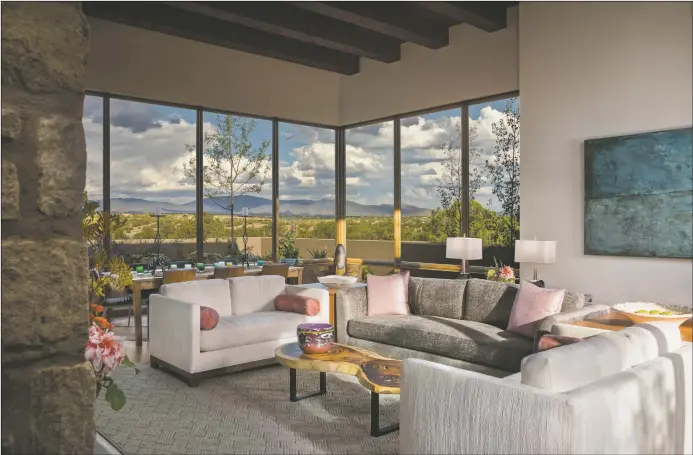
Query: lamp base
[(464, 276)]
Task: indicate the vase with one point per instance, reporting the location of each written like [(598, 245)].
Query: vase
[(315, 338)]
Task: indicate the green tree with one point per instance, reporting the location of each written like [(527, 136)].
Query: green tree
[(503, 169), (233, 165), (451, 181)]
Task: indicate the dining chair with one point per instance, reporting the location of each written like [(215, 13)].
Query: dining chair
[(178, 276), (275, 269), (228, 272)]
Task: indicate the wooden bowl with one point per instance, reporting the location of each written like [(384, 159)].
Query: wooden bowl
[(630, 309)]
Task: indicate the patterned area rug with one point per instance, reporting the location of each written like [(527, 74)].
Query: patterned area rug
[(245, 413)]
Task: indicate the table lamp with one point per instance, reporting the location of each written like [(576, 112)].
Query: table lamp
[(464, 248), (535, 252)]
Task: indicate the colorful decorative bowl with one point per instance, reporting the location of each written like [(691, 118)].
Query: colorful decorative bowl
[(639, 312), (315, 338)]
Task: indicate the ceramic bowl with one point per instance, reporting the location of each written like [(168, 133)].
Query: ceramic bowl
[(338, 280), (315, 338), (640, 312)]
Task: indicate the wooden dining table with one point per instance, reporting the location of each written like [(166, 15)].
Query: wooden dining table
[(151, 282)]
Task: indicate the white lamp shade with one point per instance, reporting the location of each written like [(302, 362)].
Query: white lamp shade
[(463, 248), (535, 251)]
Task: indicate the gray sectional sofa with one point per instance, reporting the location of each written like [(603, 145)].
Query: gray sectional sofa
[(460, 323)]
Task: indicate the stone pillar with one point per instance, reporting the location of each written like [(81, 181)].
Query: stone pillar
[(48, 389)]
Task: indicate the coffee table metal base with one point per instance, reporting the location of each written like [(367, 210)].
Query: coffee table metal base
[(375, 403), (375, 418), (292, 386)]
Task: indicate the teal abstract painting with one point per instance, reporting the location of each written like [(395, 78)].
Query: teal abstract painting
[(639, 195)]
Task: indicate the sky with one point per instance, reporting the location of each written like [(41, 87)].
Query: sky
[(152, 144)]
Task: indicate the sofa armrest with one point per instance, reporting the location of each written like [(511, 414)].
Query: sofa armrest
[(446, 410), (321, 295), (351, 303), (174, 331), (567, 317)]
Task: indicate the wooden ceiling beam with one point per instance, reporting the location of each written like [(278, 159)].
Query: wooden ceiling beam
[(488, 16), (395, 19), (289, 21), (173, 21)]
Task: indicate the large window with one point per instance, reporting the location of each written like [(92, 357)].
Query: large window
[(370, 192), (306, 191), (150, 158), (237, 177), (92, 122), (449, 168), (494, 177), (432, 183)]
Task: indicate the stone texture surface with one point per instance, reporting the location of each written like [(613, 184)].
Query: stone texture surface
[(61, 176), (11, 123), (44, 46), (39, 319), (52, 387), (10, 190), (47, 388)]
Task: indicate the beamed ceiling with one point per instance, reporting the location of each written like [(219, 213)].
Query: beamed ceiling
[(332, 36)]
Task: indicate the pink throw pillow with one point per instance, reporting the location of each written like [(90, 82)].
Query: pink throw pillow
[(297, 304), (209, 318), (532, 304), (388, 294), (550, 341)]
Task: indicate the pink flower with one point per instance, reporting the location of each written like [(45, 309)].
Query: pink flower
[(103, 350), (507, 273)]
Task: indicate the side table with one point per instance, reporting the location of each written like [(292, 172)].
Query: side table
[(333, 297)]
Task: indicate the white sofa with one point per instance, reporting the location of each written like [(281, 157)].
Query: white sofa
[(619, 392), (248, 331)]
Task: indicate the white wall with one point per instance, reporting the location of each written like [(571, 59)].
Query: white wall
[(475, 64), (591, 70), (130, 61)]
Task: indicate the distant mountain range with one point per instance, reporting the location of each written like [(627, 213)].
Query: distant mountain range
[(262, 207)]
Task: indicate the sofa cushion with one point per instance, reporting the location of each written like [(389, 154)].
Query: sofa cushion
[(436, 297), (463, 340), (532, 304), (572, 366), (211, 293), (209, 318), (489, 302), (295, 303), (251, 328), (255, 293), (387, 294)]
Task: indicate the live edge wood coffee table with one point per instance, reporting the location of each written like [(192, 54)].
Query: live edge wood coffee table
[(377, 374)]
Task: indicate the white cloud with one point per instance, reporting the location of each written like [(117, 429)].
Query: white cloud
[(149, 163)]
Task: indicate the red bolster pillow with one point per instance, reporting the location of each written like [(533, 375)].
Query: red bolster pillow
[(297, 304), (209, 318)]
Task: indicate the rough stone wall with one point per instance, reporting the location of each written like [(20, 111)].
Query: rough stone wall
[(47, 387)]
